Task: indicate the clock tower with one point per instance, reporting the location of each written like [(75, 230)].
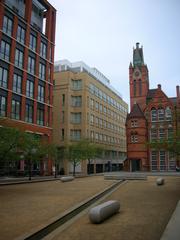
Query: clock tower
[(138, 79)]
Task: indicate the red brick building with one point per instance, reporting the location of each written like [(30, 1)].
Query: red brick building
[(27, 38), (151, 117)]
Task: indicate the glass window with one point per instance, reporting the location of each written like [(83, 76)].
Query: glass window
[(76, 101), (154, 161), (42, 71), (153, 115), (134, 123), (162, 158), (7, 25), (30, 89), (172, 161), (17, 83), (63, 99), (40, 93), (31, 65), (134, 87), (29, 113), (160, 114), (76, 118), (3, 77), (3, 104), (40, 116), (15, 109), (134, 138), (153, 135), (19, 58), (75, 134), (32, 42), (170, 133), (5, 50), (140, 87), (43, 50), (161, 133), (76, 84), (168, 114), (21, 34)]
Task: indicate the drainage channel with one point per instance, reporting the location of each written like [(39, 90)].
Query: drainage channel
[(51, 227)]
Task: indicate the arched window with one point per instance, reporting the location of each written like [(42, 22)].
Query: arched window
[(160, 114), (168, 114), (140, 87), (134, 137), (134, 87), (153, 115)]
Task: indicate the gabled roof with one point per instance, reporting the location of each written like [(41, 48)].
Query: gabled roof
[(151, 93), (136, 112)]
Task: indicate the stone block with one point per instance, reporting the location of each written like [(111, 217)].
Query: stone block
[(67, 178), (160, 181)]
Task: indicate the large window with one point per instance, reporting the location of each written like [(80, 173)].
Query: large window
[(43, 50), (17, 83), (7, 25), (77, 84), (19, 58), (21, 34), (134, 87), (40, 116), (29, 113), (75, 134), (32, 42), (153, 134), (160, 114), (162, 158), (140, 87), (170, 133), (3, 77), (134, 137), (154, 161), (76, 101), (153, 115), (168, 114), (40, 93), (3, 106), (42, 71), (30, 89), (172, 161), (31, 65), (76, 118), (15, 109), (161, 133), (5, 50)]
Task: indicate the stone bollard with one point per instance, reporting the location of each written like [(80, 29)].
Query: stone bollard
[(103, 211), (67, 178), (160, 181)]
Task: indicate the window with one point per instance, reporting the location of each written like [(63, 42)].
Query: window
[(19, 58), (75, 118), (170, 133), (42, 71), (140, 87), (30, 89), (134, 123), (153, 115), (17, 83), (62, 134), (40, 93), (77, 84), (40, 116), (162, 158), (92, 135), (29, 113), (160, 114), (32, 42), (100, 108), (43, 50), (172, 162), (134, 87), (91, 103), (7, 25), (49, 73), (31, 65), (153, 135), (134, 137), (3, 77), (75, 134), (76, 101), (168, 114), (63, 99), (16, 109), (161, 133), (91, 119), (3, 104), (5, 50), (97, 106), (154, 161), (21, 34)]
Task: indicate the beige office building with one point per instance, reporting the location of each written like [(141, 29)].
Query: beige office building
[(86, 106)]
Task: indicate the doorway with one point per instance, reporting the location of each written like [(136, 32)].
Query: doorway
[(135, 165)]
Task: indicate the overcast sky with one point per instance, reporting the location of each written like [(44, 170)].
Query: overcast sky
[(102, 33)]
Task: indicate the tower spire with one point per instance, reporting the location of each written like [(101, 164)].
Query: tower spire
[(138, 58)]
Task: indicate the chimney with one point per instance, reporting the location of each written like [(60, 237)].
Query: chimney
[(137, 45), (177, 92), (159, 86)]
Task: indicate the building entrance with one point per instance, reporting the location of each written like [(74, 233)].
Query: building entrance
[(135, 165)]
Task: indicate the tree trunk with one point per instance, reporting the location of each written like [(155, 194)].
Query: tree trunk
[(74, 168)]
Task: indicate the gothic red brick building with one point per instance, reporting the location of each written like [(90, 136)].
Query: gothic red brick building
[(151, 117)]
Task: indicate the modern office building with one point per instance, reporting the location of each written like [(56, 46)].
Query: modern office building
[(27, 38), (153, 117), (86, 106)]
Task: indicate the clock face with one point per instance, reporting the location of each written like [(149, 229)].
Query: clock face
[(136, 73)]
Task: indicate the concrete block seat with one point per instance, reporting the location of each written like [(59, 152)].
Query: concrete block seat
[(67, 178), (160, 181), (103, 211)]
